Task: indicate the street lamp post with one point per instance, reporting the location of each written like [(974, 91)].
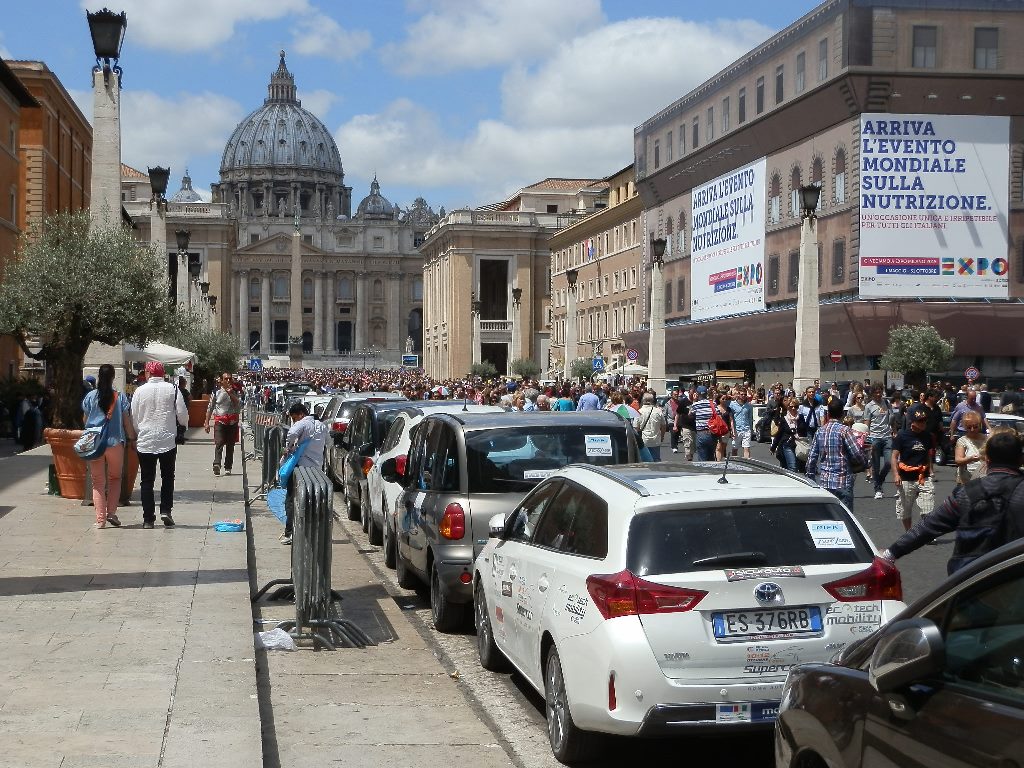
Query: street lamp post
[(806, 352), (182, 236), (656, 334), (476, 306), (158, 211), (571, 276), (517, 297)]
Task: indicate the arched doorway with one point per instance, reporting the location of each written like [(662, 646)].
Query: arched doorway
[(307, 341)]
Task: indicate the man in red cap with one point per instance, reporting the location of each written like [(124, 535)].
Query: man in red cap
[(157, 409)]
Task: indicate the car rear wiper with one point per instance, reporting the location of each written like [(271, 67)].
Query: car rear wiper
[(734, 558)]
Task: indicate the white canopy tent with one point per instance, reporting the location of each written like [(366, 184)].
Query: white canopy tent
[(171, 357)]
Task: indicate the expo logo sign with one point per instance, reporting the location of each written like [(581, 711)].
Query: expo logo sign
[(975, 267), (749, 274)]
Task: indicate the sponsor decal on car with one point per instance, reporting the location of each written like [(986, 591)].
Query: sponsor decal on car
[(576, 607), (506, 589), (869, 613), (779, 572), (523, 611)]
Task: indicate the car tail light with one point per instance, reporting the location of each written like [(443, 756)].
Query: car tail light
[(879, 582), (612, 703), (623, 594), (453, 523), (400, 464), (339, 426), (367, 465)]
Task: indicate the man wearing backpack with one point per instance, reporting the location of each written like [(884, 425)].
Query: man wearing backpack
[(985, 513)]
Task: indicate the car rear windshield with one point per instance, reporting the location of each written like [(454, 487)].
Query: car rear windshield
[(509, 460), (744, 536)]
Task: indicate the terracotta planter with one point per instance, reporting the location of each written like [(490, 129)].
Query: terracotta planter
[(197, 411), (70, 468), (129, 472)]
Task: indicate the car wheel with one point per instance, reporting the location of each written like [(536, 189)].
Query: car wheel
[(351, 511), (447, 616), (569, 744), (406, 578), (375, 532), (389, 545), (491, 657)]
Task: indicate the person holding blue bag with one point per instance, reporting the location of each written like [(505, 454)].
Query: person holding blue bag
[(303, 447), (107, 410)]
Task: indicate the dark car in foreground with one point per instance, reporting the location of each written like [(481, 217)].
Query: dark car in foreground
[(942, 684)]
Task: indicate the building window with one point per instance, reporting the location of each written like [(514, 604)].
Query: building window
[(794, 270), (711, 124), (773, 274), (681, 294), (682, 140), (307, 239), (725, 114), (822, 59), (838, 261), (657, 165), (307, 289), (345, 289), (280, 286), (554, 208), (794, 192), (759, 96), (925, 39), (668, 148), (668, 297), (816, 178), (775, 200), (253, 238), (778, 83), (695, 139), (378, 290), (417, 289), (741, 107), (798, 85), (986, 47), (378, 243), (840, 177), (254, 289)]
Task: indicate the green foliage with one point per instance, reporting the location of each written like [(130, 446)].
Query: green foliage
[(916, 349), (74, 282), (216, 352), (525, 367), (484, 370), (581, 368)]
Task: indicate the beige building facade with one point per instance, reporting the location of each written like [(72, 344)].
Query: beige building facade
[(799, 102), (605, 250), (487, 277)]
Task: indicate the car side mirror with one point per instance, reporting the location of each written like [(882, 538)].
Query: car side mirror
[(908, 651), (496, 527)]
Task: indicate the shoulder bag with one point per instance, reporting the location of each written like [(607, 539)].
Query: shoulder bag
[(93, 441)]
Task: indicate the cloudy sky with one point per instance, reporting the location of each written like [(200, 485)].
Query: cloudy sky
[(459, 101)]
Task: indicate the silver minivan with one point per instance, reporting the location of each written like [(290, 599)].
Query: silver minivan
[(462, 469)]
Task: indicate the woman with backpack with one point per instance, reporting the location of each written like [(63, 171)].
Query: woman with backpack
[(105, 405)]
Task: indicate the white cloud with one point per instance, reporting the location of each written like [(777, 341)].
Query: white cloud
[(195, 25), (175, 132), (460, 35), (629, 69), (318, 101), (571, 116), (320, 35)]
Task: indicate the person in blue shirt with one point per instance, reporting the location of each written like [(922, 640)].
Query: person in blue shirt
[(99, 405), (742, 421)]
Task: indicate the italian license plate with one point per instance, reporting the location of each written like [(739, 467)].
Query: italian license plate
[(766, 623)]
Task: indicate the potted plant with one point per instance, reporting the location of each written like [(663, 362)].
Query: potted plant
[(73, 282)]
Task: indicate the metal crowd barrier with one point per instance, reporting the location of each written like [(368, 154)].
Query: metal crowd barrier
[(310, 503), (273, 448)]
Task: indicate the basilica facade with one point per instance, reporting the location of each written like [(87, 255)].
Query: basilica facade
[(358, 294)]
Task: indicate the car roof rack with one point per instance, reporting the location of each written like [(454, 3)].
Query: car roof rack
[(611, 475), (774, 469)]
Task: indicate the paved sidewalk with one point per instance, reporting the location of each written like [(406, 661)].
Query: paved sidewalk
[(130, 647)]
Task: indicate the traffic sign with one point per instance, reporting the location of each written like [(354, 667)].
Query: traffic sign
[(598, 364), (632, 355), (835, 356), (255, 364), (972, 374)]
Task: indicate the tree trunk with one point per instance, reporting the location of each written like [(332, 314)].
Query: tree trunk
[(66, 408)]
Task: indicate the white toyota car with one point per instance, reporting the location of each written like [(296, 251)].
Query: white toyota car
[(660, 599)]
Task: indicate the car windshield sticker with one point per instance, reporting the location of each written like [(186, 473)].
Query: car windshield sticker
[(778, 572), (506, 589), (536, 474), (599, 445), (830, 534)]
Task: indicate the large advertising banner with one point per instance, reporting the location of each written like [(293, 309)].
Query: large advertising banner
[(934, 206), (727, 244)]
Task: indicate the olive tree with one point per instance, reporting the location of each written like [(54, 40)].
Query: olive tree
[(485, 370), (581, 368), (74, 282), (215, 350), (525, 367), (916, 349)]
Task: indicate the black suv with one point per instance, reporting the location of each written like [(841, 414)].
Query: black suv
[(462, 469)]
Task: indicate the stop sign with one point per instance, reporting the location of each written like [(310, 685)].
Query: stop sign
[(835, 356)]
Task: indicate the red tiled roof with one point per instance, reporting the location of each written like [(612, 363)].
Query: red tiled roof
[(131, 173)]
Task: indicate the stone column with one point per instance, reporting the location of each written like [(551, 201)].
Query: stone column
[(362, 310), (806, 352), (656, 334), (243, 312), (318, 313), (570, 330), (395, 337), (265, 328), (295, 303)]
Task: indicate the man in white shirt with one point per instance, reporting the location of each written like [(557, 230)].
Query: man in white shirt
[(304, 427), (157, 409)]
